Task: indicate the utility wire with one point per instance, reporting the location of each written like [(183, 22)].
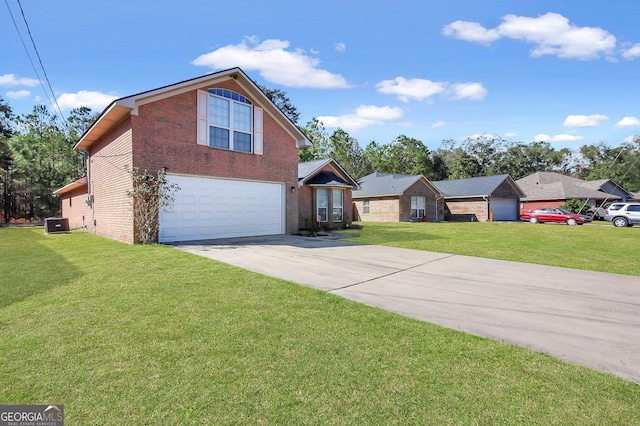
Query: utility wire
[(53, 102)]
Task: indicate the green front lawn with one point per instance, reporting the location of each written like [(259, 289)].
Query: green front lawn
[(595, 247), (133, 335)]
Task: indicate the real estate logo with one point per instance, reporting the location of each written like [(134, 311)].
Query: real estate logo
[(31, 415)]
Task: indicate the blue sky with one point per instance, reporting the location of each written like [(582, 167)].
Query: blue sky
[(567, 72)]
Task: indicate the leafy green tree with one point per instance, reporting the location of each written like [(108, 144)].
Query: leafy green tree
[(347, 151), (405, 155), (316, 133)]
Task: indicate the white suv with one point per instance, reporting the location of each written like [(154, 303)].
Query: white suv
[(623, 214)]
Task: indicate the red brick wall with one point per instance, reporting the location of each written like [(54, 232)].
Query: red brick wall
[(75, 208), (164, 135), (109, 182), (532, 205), (430, 208)]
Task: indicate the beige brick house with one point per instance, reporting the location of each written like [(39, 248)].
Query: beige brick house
[(231, 151), (389, 197)]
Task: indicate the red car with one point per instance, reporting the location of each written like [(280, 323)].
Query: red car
[(551, 214)]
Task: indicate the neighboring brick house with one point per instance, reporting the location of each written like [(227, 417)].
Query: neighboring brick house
[(481, 199), (324, 195), (231, 151), (548, 189), (388, 197)]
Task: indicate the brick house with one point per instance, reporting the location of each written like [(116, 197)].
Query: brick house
[(548, 189), (324, 195), (481, 198), (389, 197), (231, 151)]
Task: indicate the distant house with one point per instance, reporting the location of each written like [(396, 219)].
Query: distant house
[(481, 198), (548, 189), (387, 197), (324, 195)]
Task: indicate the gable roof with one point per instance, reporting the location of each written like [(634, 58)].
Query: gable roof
[(554, 186), (80, 183), (476, 187), (121, 108), (311, 173), (379, 184)]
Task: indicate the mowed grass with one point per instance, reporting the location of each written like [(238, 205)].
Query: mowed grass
[(135, 335), (596, 247)]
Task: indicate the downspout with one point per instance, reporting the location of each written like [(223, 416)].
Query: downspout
[(486, 199)]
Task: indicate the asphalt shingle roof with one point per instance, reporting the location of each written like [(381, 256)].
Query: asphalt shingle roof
[(477, 186), (554, 186), (379, 184)]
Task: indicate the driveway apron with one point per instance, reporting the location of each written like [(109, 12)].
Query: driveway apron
[(584, 317)]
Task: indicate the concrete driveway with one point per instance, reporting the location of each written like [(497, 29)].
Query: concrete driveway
[(587, 318)]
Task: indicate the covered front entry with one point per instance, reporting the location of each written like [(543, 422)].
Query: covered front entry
[(208, 208)]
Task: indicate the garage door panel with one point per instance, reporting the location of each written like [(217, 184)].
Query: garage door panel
[(217, 208), (504, 209)]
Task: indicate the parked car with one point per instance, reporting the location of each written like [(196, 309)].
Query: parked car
[(553, 214), (597, 213), (623, 214)]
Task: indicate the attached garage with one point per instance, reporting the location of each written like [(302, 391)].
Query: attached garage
[(504, 209), (207, 208)]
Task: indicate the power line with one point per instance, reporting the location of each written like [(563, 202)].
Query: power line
[(53, 102)]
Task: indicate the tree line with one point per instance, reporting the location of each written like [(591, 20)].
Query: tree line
[(473, 157), (37, 156)]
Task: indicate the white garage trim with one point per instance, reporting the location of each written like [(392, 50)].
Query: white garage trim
[(504, 208), (207, 208)]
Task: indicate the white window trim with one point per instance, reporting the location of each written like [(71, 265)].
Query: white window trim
[(366, 206), (318, 216), (333, 207), (418, 208)]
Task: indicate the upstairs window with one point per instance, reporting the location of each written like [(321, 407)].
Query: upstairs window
[(230, 125), (230, 121)]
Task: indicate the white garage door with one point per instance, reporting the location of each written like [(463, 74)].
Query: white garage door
[(504, 208), (206, 208)]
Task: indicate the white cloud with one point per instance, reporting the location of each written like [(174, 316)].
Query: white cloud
[(628, 122), (630, 139), (470, 31), (418, 89), (274, 62), (438, 124), (363, 116), (551, 34), (510, 135), (473, 91), (94, 100), (11, 80), (339, 47), (593, 120), (18, 94), (558, 138), (632, 52), (412, 88)]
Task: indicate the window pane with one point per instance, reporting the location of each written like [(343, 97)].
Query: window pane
[(241, 142), (366, 206), (337, 198), (241, 117), (218, 138), (323, 197), (218, 112), (337, 214), (322, 214)]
